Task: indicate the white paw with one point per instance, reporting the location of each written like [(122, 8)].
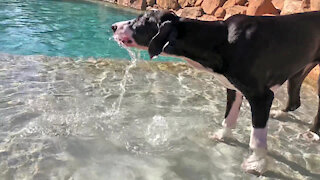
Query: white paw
[(278, 114), (309, 136), (257, 163), (222, 134)]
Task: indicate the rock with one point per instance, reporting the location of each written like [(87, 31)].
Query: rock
[(278, 4), (220, 13), (150, 2), (207, 17), (305, 5), (268, 15), (124, 2), (231, 3), (315, 5), (311, 5), (190, 12), (260, 7), (312, 77), (210, 6), (168, 4), (187, 3), (137, 4), (292, 6), (241, 2), (237, 9), (198, 3)]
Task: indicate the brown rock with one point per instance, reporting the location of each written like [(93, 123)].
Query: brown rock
[(187, 3), (190, 12), (260, 7), (241, 2), (312, 78), (305, 5), (210, 6), (124, 2), (220, 13), (278, 4), (168, 4), (137, 4), (150, 2), (198, 3), (292, 6), (231, 3), (315, 5), (207, 17), (311, 5), (237, 9)]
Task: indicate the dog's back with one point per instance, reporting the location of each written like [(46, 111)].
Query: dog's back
[(274, 42)]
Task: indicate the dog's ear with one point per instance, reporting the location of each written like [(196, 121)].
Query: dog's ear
[(166, 32)]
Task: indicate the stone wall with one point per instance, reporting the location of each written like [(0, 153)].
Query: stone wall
[(222, 9)]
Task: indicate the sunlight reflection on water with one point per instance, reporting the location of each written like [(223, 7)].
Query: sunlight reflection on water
[(58, 121)]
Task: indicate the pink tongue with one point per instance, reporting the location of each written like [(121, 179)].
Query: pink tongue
[(125, 39)]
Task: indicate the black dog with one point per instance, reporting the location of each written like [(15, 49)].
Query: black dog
[(250, 55)]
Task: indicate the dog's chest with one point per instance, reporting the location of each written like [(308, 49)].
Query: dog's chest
[(221, 78)]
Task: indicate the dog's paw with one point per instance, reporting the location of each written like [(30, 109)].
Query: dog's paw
[(278, 114), (309, 136), (257, 163), (222, 134)]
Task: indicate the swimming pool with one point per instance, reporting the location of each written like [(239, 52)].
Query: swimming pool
[(106, 118)]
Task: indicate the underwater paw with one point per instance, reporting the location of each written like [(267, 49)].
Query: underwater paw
[(309, 136), (278, 114), (257, 163), (222, 134)]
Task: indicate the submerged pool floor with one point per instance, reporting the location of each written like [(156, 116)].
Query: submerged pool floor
[(62, 119)]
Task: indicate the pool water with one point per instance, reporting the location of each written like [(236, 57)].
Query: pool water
[(80, 111), (62, 119), (62, 28)]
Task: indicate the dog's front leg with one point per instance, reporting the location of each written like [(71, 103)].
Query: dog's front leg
[(234, 100), (260, 107)]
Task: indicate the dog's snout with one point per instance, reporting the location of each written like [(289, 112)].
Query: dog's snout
[(114, 27)]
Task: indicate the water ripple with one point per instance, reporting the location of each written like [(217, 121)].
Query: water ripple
[(58, 120)]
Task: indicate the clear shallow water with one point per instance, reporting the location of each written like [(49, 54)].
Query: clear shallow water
[(61, 119), (61, 28)]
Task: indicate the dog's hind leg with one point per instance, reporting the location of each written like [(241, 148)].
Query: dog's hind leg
[(316, 123), (313, 134), (293, 88), (234, 100)]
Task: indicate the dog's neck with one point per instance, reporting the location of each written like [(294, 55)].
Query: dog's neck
[(200, 41)]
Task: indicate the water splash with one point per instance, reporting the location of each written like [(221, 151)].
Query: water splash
[(134, 58), (157, 131)]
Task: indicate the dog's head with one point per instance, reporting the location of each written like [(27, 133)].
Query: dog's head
[(153, 31)]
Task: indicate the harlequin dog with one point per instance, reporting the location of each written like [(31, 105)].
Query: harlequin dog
[(251, 56)]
